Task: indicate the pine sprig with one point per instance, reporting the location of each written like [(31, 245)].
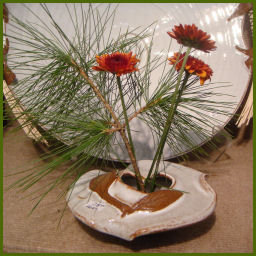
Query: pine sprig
[(81, 108)]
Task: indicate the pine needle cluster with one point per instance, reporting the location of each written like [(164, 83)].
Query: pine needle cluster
[(66, 99)]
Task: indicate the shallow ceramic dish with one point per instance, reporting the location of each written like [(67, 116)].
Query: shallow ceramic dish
[(195, 204)]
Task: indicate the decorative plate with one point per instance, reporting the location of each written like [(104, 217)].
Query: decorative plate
[(227, 63)]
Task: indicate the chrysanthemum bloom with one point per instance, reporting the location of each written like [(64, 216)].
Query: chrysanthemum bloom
[(191, 36), (117, 63), (193, 66)]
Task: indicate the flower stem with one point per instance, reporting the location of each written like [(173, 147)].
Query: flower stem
[(117, 123), (125, 113), (168, 129), (174, 104), (128, 128)]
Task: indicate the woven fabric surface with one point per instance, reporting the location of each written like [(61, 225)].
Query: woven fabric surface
[(229, 229)]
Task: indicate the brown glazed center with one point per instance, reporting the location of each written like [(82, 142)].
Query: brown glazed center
[(154, 201)]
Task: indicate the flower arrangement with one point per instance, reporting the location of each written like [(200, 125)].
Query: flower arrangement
[(89, 89)]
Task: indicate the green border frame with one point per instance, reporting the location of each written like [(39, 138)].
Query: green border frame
[(1, 134), (1, 128)]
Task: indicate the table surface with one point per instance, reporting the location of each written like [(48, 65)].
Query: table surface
[(229, 229)]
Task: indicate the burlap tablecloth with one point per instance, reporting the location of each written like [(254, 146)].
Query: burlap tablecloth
[(229, 229)]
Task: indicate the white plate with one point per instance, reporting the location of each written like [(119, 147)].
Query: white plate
[(226, 62)]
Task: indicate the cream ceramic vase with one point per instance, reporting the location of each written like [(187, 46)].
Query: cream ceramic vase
[(104, 202)]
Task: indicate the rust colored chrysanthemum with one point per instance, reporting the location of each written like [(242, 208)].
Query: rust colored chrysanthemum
[(193, 66), (117, 63), (191, 36)]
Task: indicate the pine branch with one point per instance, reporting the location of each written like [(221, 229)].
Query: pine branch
[(117, 124)]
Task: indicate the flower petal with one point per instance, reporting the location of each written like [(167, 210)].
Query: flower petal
[(191, 36), (193, 66), (117, 63)]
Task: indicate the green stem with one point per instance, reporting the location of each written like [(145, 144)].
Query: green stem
[(125, 113), (174, 104), (168, 129), (117, 123), (138, 179)]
